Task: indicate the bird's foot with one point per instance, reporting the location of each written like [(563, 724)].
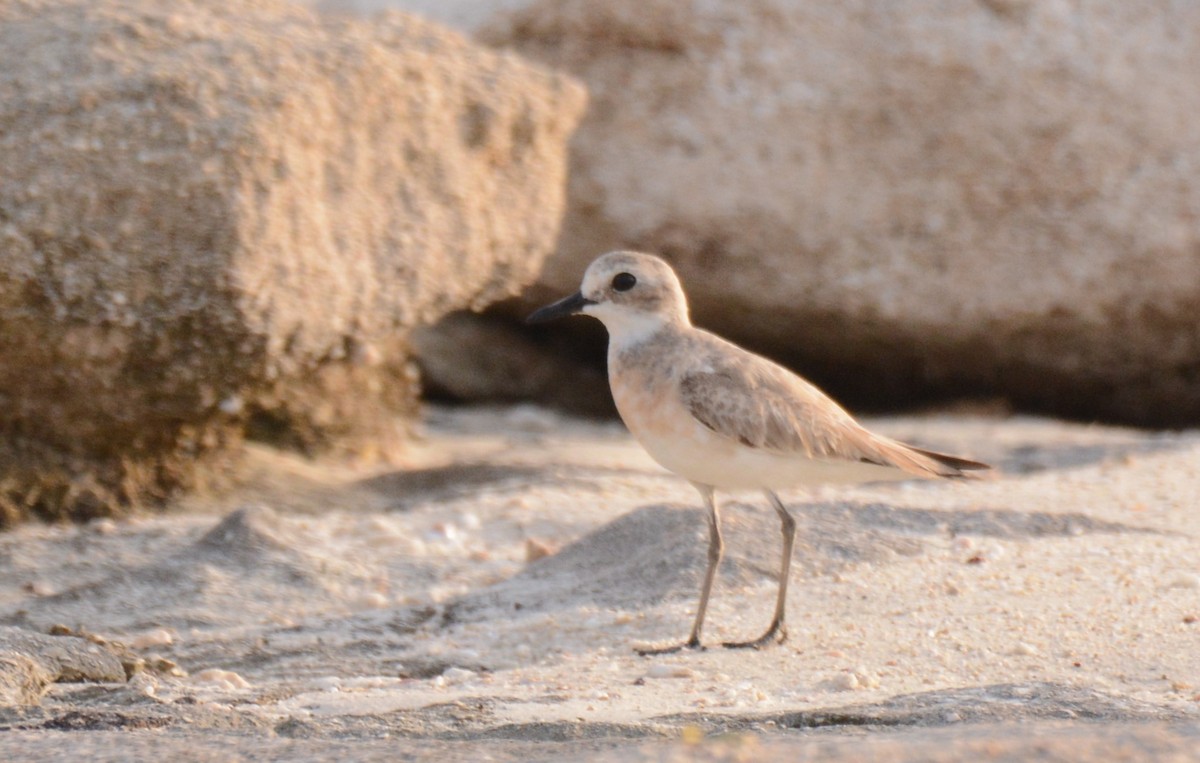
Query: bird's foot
[(776, 634), (651, 649)]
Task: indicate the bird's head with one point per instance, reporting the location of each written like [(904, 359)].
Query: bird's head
[(633, 294)]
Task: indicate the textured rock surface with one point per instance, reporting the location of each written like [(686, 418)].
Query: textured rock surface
[(904, 198), (29, 662), (22, 680), (216, 216)]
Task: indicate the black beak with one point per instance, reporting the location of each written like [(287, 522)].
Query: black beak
[(568, 306)]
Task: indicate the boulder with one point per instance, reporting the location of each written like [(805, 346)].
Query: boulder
[(906, 198), (219, 218)]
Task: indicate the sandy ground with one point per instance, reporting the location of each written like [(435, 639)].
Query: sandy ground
[(328, 610)]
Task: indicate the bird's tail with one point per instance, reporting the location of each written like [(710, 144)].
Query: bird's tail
[(954, 466)]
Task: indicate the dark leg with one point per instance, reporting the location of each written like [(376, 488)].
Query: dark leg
[(716, 548), (776, 631)]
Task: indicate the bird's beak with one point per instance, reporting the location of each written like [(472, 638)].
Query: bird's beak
[(567, 306)]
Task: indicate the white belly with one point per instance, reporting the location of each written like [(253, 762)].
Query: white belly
[(709, 460)]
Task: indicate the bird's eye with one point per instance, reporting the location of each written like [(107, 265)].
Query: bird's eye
[(623, 281)]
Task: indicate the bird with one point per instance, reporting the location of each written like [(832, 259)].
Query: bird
[(723, 417)]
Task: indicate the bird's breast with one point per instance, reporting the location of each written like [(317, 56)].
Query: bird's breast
[(651, 407)]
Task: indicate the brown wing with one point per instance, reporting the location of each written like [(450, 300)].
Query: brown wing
[(746, 404), (762, 405)]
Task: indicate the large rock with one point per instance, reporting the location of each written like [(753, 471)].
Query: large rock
[(904, 198), (216, 216)]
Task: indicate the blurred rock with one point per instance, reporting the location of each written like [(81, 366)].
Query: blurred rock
[(22, 680), (475, 358), (906, 198), (220, 217), (29, 662)]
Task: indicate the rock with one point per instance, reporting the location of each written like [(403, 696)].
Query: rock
[(219, 219), (663, 670), (537, 549), (903, 199), (22, 680), (993, 703), (29, 662), (222, 679)]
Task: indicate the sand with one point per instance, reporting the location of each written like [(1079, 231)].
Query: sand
[(326, 609)]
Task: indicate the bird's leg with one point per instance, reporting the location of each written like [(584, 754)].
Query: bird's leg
[(776, 631), (716, 547)]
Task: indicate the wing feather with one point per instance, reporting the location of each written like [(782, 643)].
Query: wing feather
[(761, 405), (748, 404)]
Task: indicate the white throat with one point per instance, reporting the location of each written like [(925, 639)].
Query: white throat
[(626, 327)]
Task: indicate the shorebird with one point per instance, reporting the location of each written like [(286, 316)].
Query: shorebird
[(723, 417)]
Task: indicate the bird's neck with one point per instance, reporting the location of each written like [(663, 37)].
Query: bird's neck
[(629, 330)]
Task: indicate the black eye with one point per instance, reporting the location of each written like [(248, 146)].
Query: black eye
[(623, 282)]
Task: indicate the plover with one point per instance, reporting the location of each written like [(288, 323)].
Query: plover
[(723, 417)]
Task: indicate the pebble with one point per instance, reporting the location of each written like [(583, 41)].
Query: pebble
[(844, 682), (662, 670), (458, 675), (374, 600), (38, 588), (1024, 650), (162, 666), (221, 679), (145, 684), (1185, 580), (536, 549), (103, 526), (156, 637), (865, 678)]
